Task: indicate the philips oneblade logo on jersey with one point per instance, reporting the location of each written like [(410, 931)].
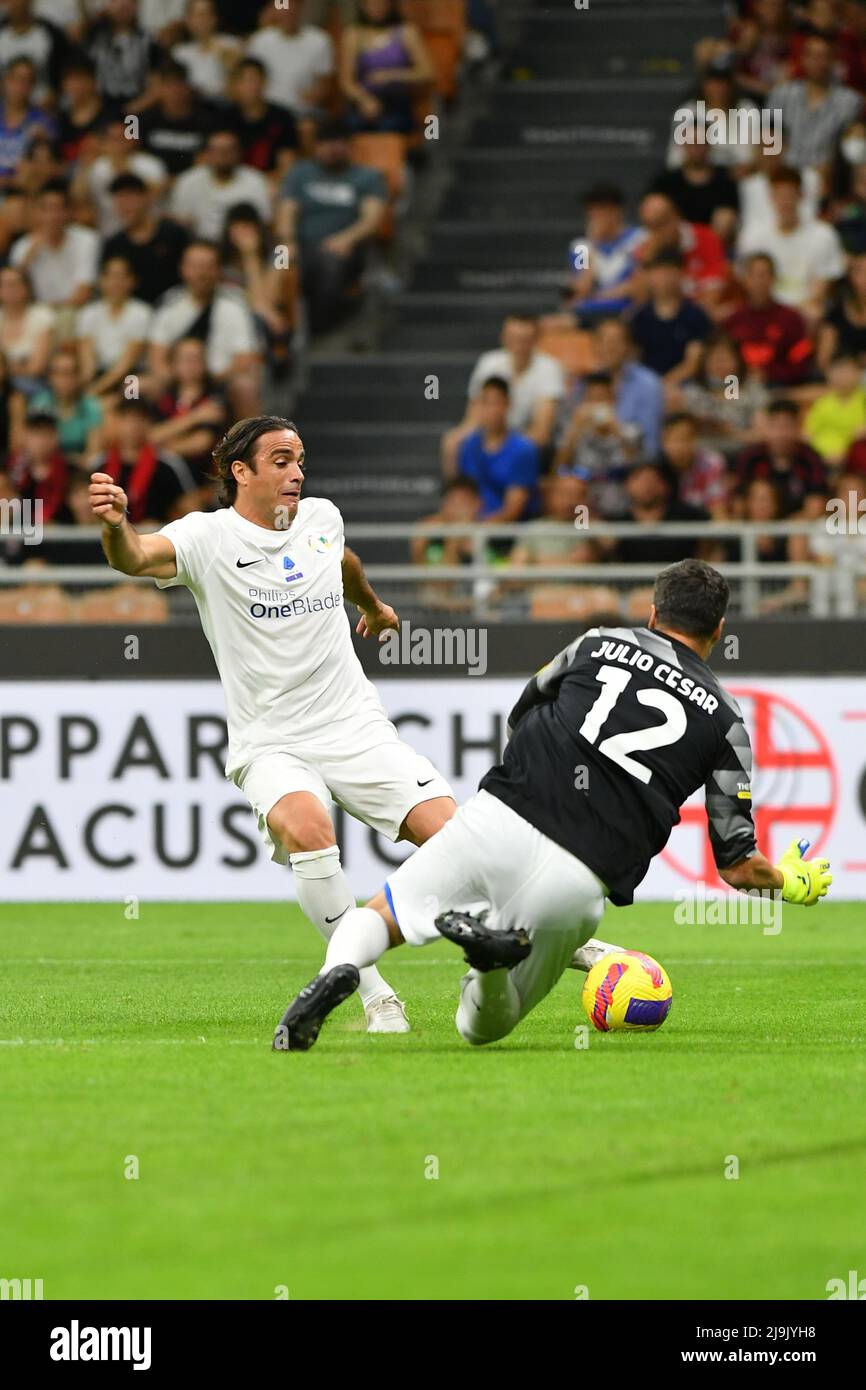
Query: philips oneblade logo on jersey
[(289, 565), (438, 646), (271, 603)]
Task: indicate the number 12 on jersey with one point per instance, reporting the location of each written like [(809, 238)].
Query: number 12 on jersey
[(618, 747)]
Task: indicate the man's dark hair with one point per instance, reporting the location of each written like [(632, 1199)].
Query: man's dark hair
[(78, 60), (760, 256), (498, 383), (598, 379), (240, 442), (55, 186), (603, 195), (40, 420), (783, 407), (519, 316), (783, 173), (691, 597), (666, 255), (127, 183), (170, 67), (250, 62), (679, 417), (134, 405), (331, 128), (19, 60), (460, 484)]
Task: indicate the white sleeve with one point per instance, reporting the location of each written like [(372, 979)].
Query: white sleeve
[(84, 325), (829, 259), (19, 250), (323, 65), (193, 539), (480, 372), (140, 321), (554, 380), (243, 334), (86, 258), (182, 202), (161, 330)]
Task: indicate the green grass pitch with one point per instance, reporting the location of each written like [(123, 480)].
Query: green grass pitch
[(558, 1167)]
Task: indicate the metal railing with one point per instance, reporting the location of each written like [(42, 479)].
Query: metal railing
[(832, 589)]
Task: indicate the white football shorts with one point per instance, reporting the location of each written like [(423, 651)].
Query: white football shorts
[(489, 855), (367, 769)]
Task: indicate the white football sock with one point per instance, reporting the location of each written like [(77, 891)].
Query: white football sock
[(324, 893), (489, 1006), (360, 939)]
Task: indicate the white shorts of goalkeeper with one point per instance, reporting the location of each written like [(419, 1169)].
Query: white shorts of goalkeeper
[(489, 856)]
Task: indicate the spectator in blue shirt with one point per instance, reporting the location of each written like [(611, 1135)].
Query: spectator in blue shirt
[(20, 120), (603, 263), (638, 393), (503, 464)]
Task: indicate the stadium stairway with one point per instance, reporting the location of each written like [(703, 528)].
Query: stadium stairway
[(583, 95)]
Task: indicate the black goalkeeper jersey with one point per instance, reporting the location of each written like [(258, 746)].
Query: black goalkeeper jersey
[(608, 741)]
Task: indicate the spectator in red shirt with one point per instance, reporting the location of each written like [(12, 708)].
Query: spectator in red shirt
[(698, 475), (772, 337), (705, 270), (762, 45), (784, 458), (39, 471), (157, 483)]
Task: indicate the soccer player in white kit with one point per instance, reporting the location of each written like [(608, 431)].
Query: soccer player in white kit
[(269, 571)]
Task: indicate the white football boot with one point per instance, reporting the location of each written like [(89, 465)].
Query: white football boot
[(590, 953), (387, 1015)]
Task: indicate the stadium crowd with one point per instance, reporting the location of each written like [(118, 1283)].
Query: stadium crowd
[(185, 182), (709, 357)]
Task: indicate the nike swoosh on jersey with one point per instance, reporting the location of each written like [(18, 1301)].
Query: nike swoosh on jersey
[(245, 564), (427, 783)]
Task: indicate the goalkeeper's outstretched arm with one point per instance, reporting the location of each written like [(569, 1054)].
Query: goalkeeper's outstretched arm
[(799, 880)]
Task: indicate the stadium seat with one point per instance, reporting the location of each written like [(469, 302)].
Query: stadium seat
[(386, 152), (35, 603), (445, 51), (121, 603), (570, 346), (437, 17)]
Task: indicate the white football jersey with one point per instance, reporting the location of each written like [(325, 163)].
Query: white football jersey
[(271, 606)]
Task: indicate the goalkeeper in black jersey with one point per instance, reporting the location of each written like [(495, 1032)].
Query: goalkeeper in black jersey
[(606, 744)]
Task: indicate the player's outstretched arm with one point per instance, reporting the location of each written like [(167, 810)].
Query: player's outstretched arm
[(124, 548), (800, 880), (376, 616)]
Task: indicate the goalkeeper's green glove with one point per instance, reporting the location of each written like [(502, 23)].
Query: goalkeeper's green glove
[(803, 880)]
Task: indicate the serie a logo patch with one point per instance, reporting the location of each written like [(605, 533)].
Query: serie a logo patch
[(289, 570)]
